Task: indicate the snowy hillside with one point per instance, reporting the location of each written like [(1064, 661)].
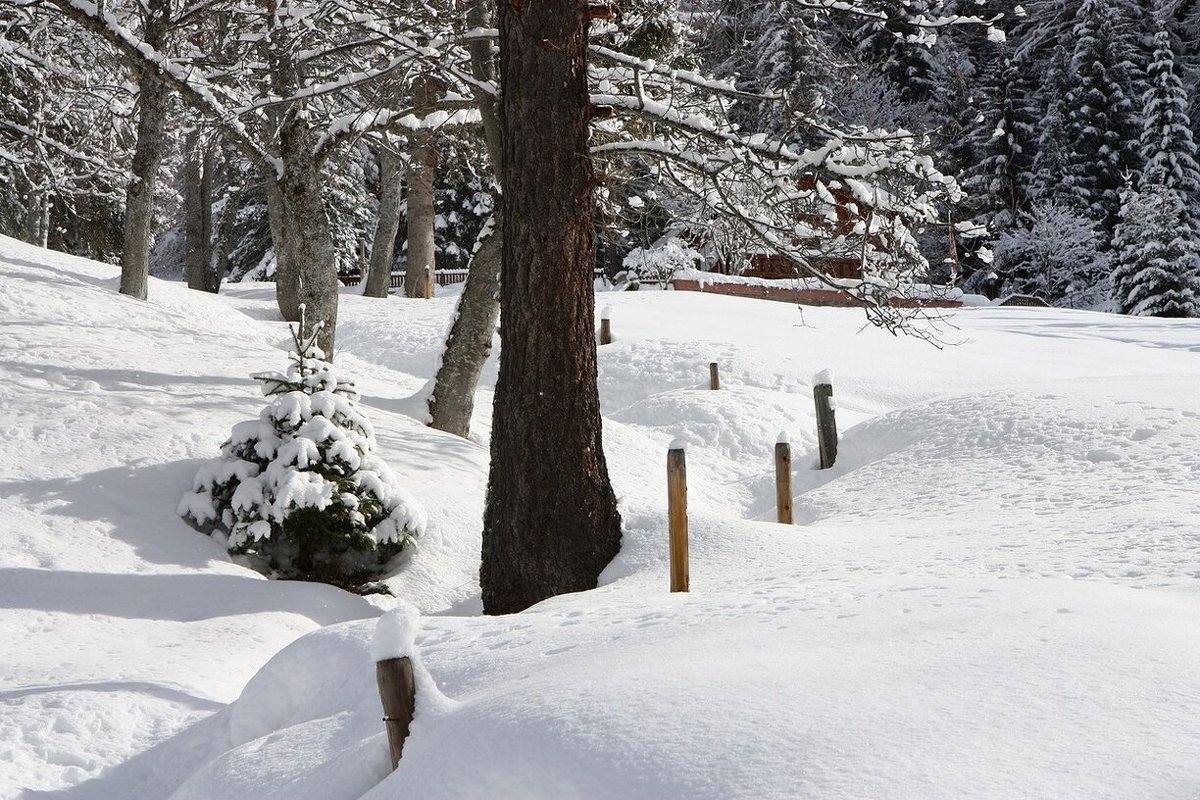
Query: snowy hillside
[(993, 594)]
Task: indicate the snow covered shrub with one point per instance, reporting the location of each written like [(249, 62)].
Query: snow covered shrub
[(661, 261), (1056, 254), (300, 487)]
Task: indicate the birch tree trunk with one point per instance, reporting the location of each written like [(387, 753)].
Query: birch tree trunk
[(383, 246), (551, 523)]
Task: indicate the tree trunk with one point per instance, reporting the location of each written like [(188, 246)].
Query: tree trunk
[(197, 210), (384, 244), (470, 339), (422, 168), (305, 272), (37, 221), (551, 523), (153, 100), (218, 255)]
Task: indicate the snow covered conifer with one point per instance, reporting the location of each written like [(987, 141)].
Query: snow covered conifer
[(1100, 119), (1167, 147), (300, 486), (1158, 265)]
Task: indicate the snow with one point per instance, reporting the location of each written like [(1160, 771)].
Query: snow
[(991, 594)]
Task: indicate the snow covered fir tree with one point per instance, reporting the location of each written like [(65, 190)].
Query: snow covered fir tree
[(300, 489)]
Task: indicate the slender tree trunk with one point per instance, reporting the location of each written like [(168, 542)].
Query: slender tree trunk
[(197, 209), (470, 339), (422, 169), (551, 523), (218, 257), (37, 220), (153, 100), (383, 246)]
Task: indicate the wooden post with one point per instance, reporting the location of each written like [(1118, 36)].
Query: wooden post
[(428, 282), (399, 695), (783, 479), (606, 325), (714, 376), (677, 514), (827, 438)]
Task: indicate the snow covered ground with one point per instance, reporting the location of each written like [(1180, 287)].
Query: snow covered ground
[(993, 594)]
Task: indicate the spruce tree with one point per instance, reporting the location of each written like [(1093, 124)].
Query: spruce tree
[(1158, 264), (1100, 119), (301, 488), (1167, 148)]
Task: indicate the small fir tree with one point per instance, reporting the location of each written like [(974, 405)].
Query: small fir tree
[(1158, 266), (301, 487)]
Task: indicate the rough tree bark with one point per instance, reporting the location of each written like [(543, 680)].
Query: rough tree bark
[(383, 245), (422, 168), (154, 97), (551, 522), (305, 272), (470, 340)]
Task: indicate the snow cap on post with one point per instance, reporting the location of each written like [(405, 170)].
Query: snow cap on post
[(606, 312), (825, 376), (782, 438), (678, 443), (396, 633)]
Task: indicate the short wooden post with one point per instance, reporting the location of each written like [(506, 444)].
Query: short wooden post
[(714, 376), (606, 325), (827, 438), (399, 695), (428, 282), (677, 515), (783, 479)]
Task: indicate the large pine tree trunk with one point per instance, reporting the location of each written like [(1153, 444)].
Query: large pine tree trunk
[(153, 100), (469, 341), (384, 244), (421, 171), (551, 522)]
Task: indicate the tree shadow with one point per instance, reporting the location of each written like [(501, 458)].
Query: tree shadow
[(189, 597), (138, 504)]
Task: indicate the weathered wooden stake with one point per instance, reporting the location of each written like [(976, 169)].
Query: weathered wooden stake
[(606, 325), (827, 438), (428, 282), (677, 514), (399, 695), (783, 480), (714, 376)]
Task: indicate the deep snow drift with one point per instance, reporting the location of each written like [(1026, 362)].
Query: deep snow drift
[(992, 594)]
